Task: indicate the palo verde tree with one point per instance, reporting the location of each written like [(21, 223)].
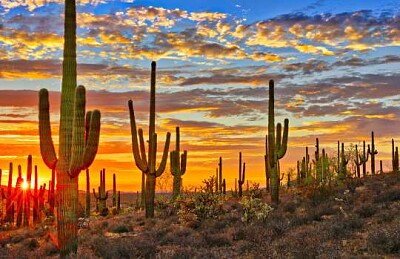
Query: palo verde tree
[(78, 142)]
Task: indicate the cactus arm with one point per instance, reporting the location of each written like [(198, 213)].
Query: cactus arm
[(283, 146), (92, 143), (135, 147), (105, 196), (94, 194), (87, 125), (46, 142), (183, 162), (278, 136), (142, 147), (173, 163), (78, 133), (163, 162)]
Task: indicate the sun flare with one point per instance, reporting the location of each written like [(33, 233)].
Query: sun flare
[(25, 185)]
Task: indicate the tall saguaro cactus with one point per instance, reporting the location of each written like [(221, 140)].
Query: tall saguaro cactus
[(242, 175), (372, 151), (178, 165), (363, 159), (277, 145), (266, 165), (76, 152), (148, 165), (395, 158), (102, 194)]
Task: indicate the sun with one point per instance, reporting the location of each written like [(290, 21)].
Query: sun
[(25, 185)]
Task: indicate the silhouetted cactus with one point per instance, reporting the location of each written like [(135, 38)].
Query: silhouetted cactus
[(242, 175), (343, 164), (19, 197), (38, 199), (395, 158), (114, 197), (219, 179), (75, 154), (102, 194), (372, 151), (27, 192), (363, 158), (148, 166), (177, 166), (224, 187), (8, 196), (119, 201), (277, 145), (357, 162)]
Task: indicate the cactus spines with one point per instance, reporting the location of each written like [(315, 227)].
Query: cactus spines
[(148, 166), (74, 154), (102, 195), (242, 175), (395, 158), (372, 151), (276, 146), (87, 194), (178, 166)]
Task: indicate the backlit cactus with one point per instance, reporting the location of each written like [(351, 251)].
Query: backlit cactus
[(395, 158), (76, 152), (148, 165), (177, 166), (344, 160), (277, 145), (102, 194), (372, 151), (242, 175), (363, 158)]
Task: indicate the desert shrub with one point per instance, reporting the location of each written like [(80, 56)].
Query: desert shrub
[(366, 210), (254, 208), (339, 227), (201, 205), (119, 229), (386, 239), (217, 240), (319, 193), (388, 196), (255, 191)]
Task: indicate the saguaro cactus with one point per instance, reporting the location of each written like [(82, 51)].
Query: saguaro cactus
[(364, 158), (372, 151), (102, 195), (76, 152), (148, 166), (219, 179), (357, 162), (343, 164), (277, 145), (177, 165), (395, 158), (242, 175), (114, 197), (9, 201)]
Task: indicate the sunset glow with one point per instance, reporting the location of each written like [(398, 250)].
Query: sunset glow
[(335, 64)]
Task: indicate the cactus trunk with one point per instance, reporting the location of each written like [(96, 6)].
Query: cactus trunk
[(277, 145), (87, 211)]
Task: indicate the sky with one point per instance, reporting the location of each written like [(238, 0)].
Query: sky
[(335, 66)]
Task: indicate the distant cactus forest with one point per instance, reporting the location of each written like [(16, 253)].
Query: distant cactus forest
[(340, 202)]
